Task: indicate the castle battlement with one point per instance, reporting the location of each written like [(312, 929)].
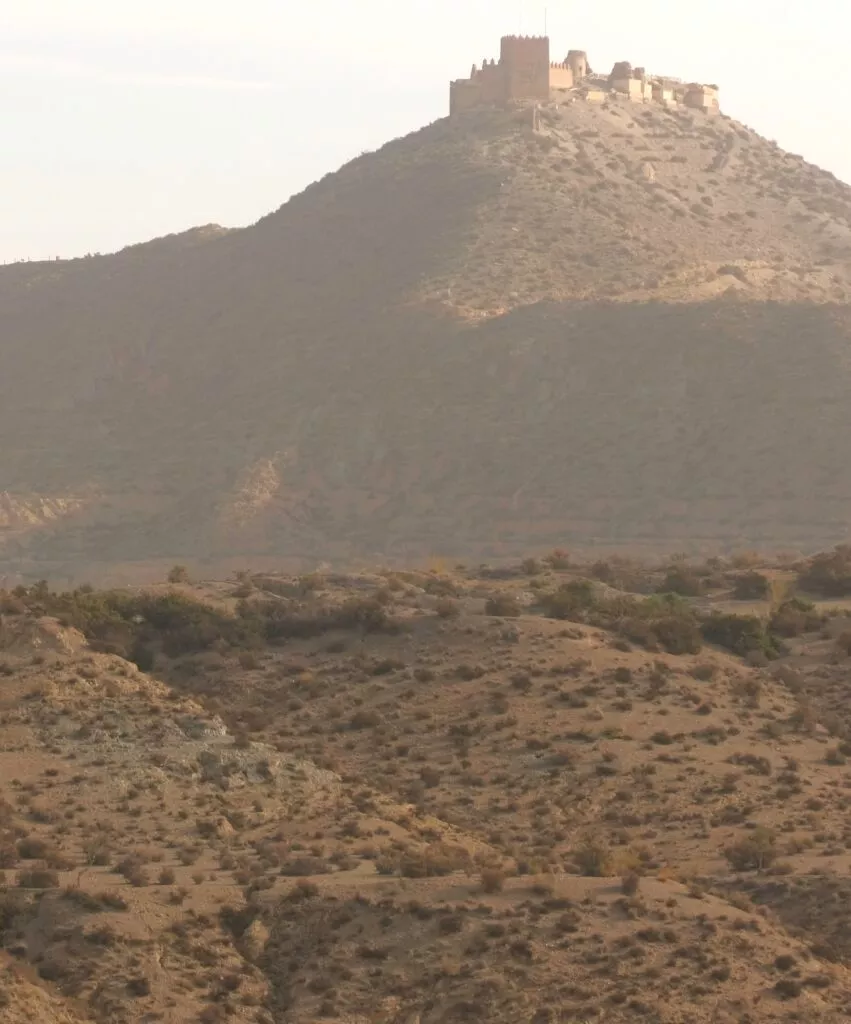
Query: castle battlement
[(525, 73)]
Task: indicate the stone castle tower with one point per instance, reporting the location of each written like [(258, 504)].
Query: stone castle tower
[(525, 74)]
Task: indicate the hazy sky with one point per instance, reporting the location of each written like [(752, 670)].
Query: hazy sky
[(124, 121)]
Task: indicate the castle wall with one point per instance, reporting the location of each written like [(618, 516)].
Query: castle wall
[(702, 97), (492, 83), (484, 87), (633, 88), (561, 77), (526, 61), (664, 93), (463, 95)]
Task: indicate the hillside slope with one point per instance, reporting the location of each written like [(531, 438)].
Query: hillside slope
[(468, 811), (627, 326)]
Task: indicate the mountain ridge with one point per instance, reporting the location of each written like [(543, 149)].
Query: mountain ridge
[(357, 334)]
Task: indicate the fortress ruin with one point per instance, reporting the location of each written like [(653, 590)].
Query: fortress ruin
[(524, 73)]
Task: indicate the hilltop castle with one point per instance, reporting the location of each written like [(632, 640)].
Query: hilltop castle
[(524, 73)]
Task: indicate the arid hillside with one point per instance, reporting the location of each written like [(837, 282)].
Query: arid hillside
[(628, 326), (550, 793)]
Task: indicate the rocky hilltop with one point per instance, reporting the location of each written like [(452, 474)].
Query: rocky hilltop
[(616, 324)]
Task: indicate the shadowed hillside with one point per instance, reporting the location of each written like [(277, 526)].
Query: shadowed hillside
[(630, 326)]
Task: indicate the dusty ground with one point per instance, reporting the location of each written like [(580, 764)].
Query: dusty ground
[(467, 816)]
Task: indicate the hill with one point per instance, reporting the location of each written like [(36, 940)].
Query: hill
[(627, 327), (406, 796)]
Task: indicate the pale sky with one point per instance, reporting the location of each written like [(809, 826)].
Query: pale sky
[(125, 121)]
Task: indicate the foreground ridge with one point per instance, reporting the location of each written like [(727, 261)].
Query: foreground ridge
[(548, 792)]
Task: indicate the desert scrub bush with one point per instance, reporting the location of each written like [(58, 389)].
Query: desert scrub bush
[(571, 601), (435, 860), (12, 906), (829, 573), (705, 672), (795, 617), (676, 634), (441, 586), (741, 634), (35, 848), (681, 580), (593, 857), (558, 559), (140, 624), (754, 852), (502, 606), (302, 867), (492, 879), (751, 586), (132, 868), (39, 876), (630, 883), (446, 608)]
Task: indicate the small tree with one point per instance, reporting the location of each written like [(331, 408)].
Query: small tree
[(178, 574), (755, 852)]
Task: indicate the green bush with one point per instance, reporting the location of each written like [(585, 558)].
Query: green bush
[(829, 574), (683, 581), (572, 601), (755, 852), (751, 586), (741, 634), (678, 635), (795, 617)]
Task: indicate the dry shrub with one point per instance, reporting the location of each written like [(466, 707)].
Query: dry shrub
[(630, 883), (435, 860), (446, 608), (133, 869), (503, 606), (492, 879), (593, 857), (751, 586), (755, 852), (39, 876)]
